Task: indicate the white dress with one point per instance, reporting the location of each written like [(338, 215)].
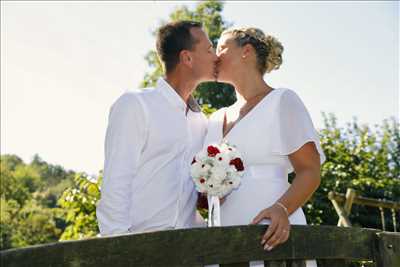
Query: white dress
[(276, 127)]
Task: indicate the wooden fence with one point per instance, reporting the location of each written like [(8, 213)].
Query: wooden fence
[(352, 197), (229, 246)]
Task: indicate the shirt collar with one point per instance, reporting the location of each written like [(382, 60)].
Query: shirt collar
[(175, 99)]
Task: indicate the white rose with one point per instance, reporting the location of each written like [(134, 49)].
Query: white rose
[(196, 170), (218, 172), (213, 186), (201, 187)]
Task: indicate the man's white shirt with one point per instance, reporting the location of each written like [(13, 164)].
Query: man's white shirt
[(150, 143)]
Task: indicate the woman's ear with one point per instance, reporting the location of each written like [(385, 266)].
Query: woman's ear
[(247, 50), (186, 58)]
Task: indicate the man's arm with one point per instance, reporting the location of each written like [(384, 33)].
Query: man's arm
[(124, 142)]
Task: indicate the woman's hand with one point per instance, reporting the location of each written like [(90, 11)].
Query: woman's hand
[(279, 229)]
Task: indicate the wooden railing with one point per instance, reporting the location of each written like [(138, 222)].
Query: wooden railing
[(228, 246), (351, 198)]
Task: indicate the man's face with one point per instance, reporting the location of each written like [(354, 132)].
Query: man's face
[(204, 57)]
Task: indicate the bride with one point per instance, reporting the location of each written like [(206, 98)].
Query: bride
[(274, 133)]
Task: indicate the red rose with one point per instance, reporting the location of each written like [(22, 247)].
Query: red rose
[(202, 180), (237, 162), (212, 151)]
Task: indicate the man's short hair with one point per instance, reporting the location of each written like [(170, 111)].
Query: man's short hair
[(172, 38)]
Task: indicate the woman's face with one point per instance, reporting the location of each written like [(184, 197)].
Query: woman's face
[(229, 58)]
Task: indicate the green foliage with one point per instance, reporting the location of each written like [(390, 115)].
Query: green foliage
[(10, 187), (79, 204), (209, 14), (207, 109), (28, 196), (361, 158), (26, 225)]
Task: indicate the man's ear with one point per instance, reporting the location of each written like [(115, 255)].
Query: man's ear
[(186, 58)]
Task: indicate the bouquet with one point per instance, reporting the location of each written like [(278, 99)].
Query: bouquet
[(217, 171)]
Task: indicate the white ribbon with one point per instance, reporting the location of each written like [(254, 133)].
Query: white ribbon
[(214, 213)]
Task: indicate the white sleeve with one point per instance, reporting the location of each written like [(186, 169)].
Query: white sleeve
[(294, 126), (125, 139)]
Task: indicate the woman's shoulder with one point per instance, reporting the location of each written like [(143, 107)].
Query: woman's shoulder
[(287, 96), (283, 91)]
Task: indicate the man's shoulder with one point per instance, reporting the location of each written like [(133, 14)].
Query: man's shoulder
[(138, 92), (131, 96), (131, 101)]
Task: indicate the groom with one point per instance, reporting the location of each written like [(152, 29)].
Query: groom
[(151, 139)]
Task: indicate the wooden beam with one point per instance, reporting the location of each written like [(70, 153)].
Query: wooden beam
[(343, 219), (199, 247), (388, 254), (350, 195), (366, 201)]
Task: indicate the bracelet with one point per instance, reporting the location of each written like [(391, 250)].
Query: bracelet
[(283, 207)]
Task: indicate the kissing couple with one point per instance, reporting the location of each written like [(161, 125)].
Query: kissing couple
[(153, 135)]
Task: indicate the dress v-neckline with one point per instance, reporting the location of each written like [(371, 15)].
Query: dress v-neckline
[(244, 117)]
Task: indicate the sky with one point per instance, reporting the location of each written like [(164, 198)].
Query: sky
[(63, 64)]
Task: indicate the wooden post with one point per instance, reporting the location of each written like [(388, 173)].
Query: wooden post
[(343, 219), (350, 195), (387, 251), (394, 220), (382, 218)]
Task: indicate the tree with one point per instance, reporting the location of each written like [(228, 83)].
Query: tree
[(10, 187), (358, 157), (79, 204), (28, 195), (26, 225), (209, 94)]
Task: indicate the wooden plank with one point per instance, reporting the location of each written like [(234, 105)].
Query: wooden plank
[(240, 264), (199, 246), (388, 249), (343, 219), (275, 264), (350, 195), (366, 201), (296, 263), (333, 263)]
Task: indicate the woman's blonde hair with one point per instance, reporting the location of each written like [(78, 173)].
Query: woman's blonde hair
[(268, 49)]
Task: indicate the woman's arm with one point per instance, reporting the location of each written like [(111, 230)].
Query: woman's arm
[(306, 163)]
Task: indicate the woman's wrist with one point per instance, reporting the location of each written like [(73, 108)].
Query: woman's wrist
[(283, 207)]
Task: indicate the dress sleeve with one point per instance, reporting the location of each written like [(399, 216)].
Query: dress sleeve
[(294, 126)]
